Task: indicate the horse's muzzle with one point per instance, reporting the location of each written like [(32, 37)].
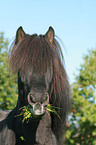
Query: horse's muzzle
[(38, 108)]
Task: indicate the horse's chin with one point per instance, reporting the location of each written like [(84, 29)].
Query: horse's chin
[(38, 112)]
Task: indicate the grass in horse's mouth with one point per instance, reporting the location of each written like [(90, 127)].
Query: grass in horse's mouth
[(27, 114)]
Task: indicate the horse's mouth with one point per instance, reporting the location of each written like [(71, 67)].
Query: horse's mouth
[(31, 113), (38, 110)]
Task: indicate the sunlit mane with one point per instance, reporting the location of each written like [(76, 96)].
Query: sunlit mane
[(35, 51)]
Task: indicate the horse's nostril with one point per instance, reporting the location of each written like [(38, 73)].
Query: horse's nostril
[(46, 101), (31, 99)]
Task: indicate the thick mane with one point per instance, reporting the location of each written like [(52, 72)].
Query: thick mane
[(37, 53)]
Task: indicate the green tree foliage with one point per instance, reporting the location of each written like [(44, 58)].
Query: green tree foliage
[(8, 86), (82, 127)]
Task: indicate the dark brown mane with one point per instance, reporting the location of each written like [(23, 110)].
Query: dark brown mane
[(36, 52)]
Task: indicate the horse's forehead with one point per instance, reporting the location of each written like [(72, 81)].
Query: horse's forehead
[(44, 79)]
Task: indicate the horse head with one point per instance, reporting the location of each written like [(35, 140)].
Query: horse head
[(33, 61)]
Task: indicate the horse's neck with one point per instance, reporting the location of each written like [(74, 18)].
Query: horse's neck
[(29, 129)]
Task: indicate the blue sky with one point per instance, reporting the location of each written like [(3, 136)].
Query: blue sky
[(74, 22)]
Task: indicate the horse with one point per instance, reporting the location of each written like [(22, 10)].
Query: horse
[(42, 80)]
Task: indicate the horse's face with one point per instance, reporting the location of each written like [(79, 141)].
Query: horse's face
[(35, 90), (32, 59)]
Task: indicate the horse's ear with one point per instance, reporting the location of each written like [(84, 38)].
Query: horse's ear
[(50, 34), (20, 34)]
